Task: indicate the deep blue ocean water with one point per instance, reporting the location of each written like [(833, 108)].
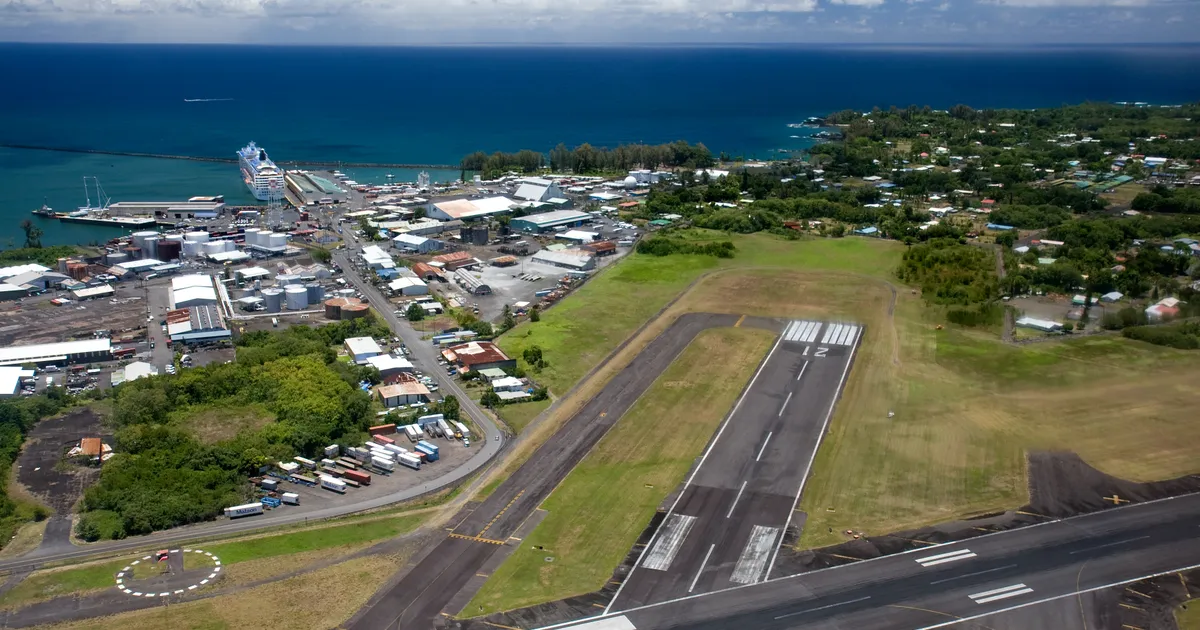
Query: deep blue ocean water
[(433, 105)]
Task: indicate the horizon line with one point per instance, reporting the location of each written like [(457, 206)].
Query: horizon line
[(958, 45)]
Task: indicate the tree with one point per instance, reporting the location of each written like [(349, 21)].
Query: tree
[(322, 255), (414, 313), (418, 212), (533, 356), (535, 314), (509, 321), (33, 234), (449, 407), (490, 398)]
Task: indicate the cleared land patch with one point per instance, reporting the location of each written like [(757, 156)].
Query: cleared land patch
[(212, 424), (622, 481)]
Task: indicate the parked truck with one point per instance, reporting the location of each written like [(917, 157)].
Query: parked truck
[(359, 476), (248, 509), (290, 498), (462, 429), (410, 460), (303, 479), (331, 483), (269, 485), (381, 463)]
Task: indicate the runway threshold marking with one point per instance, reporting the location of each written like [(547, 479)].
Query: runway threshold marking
[(764, 446), (739, 495), (692, 587), (674, 531), (753, 561), (1000, 593), (801, 612), (943, 558), (501, 513)]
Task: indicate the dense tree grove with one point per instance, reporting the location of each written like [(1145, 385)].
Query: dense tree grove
[(664, 246), (949, 272), (585, 159), (161, 476)]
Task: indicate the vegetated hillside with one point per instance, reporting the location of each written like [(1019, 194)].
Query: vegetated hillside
[(162, 476)]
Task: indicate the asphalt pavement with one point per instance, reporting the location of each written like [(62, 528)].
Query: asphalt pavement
[(951, 584), (417, 599), (729, 520)]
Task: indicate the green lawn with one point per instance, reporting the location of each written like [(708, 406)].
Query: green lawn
[(518, 416), (621, 483), (53, 583), (1188, 616)]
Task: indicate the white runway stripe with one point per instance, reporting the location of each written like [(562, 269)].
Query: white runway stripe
[(812, 333), (943, 558), (1001, 593), (753, 562), (789, 333), (675, 530), (853, 336)]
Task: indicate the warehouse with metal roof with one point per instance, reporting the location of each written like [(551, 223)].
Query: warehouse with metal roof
[(62, 352), (549, 220)]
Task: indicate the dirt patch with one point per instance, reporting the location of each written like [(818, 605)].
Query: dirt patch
[(36, 320), (215, 424), (41, 468), (1151, 604)]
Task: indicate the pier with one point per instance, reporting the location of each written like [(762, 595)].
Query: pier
[(201, 158)]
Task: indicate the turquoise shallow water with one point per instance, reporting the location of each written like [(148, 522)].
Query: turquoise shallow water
[(435, 105)]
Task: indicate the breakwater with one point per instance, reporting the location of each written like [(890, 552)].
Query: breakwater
[(223, 160)]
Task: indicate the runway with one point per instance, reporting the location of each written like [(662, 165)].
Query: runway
[(417, 599), (729, 520), (951, 584)]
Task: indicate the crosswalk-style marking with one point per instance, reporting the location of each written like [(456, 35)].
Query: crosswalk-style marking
[(1001, 593), (674, 531), (753, 561), (840, 334), (943, 558), (801, 331)]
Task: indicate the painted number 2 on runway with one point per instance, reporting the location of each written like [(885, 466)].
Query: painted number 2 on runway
[(819, 353)]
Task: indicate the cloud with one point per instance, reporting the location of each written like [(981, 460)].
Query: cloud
[(859, 3), (1046, 4)]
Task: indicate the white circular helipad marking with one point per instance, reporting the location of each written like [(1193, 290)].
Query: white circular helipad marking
[(122, 576)]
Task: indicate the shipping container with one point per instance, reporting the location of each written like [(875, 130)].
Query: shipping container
[(410, 460), (433, 417), (420, 431), (359, 476), (430, 454), (290, 498), (428, 445), (244, 510), (411, 432), (331, 471), (361, 454), (462, 429), (383, 439), (445, 427), (289, 467), (384, 464), (382, 429), (270, 485), (327, 462), (398, 450), (305, 462), (433, 430), (330, 483), (332, 450)]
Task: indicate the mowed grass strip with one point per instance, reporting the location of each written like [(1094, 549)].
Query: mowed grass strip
[(50, 583), (518, 416), (600, 509)]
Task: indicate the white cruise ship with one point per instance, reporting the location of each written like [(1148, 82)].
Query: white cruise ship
[(261, 175)]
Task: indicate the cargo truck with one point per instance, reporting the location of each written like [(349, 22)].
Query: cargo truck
[(385, 464), (462, 428), (329, 483), (332, 450), (431, 452), (382, 439), (410, 460), (359, 476), (248, 509), (290, 498), (305, 462)]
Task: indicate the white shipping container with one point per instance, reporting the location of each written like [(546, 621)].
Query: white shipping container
[(398, 450), (330, 483), (411, 432), (290, 498), (244, 510), (385, 464), (410, 460), (462, 428), (289, 467), (446, 428), (331, 450), (328, 462)]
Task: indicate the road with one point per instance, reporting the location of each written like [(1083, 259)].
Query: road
[(423, 355), (953, 583), (417, 599), (727, 524)]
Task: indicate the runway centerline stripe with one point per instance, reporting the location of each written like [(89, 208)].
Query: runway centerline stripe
[(753, 561), (1111, 544), (802, 368), (785, 403), (702, 564), (764, 447), (739, 495), (801, 612), (967, 575), (666, 546)]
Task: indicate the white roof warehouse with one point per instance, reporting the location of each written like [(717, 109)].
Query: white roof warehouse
[(63, 352)]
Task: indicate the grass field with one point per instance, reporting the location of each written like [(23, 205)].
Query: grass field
[(211, 424), (630, 472), (1187, 616), (47, 584), (518, 416)]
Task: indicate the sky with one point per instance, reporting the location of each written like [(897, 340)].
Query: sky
[(421, 22)]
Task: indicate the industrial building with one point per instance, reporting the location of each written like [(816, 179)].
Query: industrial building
[(538, 189), (427, 272), (473, 235), (470, 283), (546, 221), (252, 273), (192, 290), (376, 258), (11, 292), (132, 372), (405, 393), (418, 244), (406, 285), (470, 209), (197, 324), (601, 248), (578, 236), (478, 355), (10, 380), (90, 293), (389, 365), (82, 351), (576, 259), (362, 348), (37, 280), (194, 208), (456, 260), (16, 270)]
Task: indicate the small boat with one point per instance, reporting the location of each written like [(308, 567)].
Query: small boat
[(45, 211)]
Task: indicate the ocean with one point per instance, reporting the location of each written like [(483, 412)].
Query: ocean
[(436, 104)]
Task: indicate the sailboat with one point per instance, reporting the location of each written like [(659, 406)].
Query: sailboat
[(101, 199)]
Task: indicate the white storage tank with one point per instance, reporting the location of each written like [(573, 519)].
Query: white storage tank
[(174, 237), (150, 246), (213, 247), (139, 238), (251, 235), (115, 258), (296, 297), (277, 240), (286, 279), (273, 300), (316, 293), (192, 249), (199, 236)]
